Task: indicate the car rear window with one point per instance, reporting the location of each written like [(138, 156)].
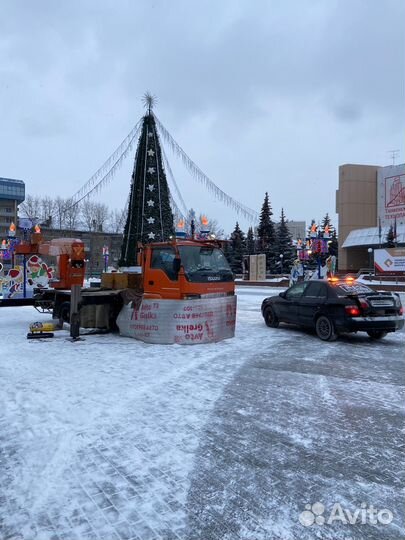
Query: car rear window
[(343, 289)]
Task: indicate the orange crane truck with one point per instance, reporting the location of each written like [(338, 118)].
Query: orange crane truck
[(188, 294), (175, 282)]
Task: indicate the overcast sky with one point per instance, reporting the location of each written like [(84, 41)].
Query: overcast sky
[(263, 95)]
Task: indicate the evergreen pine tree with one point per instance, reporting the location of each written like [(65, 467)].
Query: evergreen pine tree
[(266, 234), (326, 221), (150, 217), (334, 244), (238, 249), (390, 238), (313, 222), (227, 249), (284, 244), (250, 242)]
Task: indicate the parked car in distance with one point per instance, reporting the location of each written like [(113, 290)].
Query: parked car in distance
[(334, 306)]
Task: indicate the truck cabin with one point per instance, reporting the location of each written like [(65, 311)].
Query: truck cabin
[(187, 269)]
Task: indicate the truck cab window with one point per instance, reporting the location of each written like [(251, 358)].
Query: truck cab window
[(204, 264), (163, 259)]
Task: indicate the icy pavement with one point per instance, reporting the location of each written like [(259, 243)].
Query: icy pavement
[(109, 438)]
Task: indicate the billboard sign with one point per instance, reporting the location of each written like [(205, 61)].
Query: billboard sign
[(253, 267), (389, 261), (261, 267), (391, 195)]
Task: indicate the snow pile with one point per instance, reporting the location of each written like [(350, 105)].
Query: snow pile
[(114, 438)]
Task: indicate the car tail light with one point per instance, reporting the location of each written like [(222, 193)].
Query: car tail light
[(352, 311), (401, 310)]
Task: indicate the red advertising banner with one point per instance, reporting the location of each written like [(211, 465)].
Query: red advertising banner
[(391, 195)]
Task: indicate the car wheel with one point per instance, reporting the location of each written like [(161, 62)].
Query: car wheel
[(325, 329), (377, 334), (271, 318)]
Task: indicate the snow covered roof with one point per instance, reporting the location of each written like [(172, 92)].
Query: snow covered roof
[(370, 237)]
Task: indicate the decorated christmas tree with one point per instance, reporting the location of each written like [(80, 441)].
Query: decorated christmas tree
[(150, 217)]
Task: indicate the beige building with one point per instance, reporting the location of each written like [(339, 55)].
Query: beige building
[(297, 229), (368, 201)]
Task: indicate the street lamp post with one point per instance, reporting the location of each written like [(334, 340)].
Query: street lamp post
[(12, 242), (315, 239), (370, 260), (281, 262), (106, 254)]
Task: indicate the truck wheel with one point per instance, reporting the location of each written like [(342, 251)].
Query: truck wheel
[(377, 334), (64, 312), (271, 318), (325, 329)]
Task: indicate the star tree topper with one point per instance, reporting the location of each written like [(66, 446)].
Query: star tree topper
[(149, 100)]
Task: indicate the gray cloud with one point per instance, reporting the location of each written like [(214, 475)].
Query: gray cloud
[(268, 94)]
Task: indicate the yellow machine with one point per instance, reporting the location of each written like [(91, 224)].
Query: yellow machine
[(42, 330)]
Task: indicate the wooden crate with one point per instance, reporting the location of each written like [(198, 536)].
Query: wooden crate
[(107, 281), (117, 280)]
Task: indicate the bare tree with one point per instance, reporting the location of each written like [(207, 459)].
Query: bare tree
[(116, 221), (60, 211), (72, 214), (94, 215), (87, 215), (47, 209), (101, 214), (212, 226), (215, 228), (31, 208)]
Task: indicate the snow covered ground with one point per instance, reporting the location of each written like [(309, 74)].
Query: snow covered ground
[(109, 438)]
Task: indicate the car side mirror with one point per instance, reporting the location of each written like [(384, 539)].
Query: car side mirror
[(282, 294)]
